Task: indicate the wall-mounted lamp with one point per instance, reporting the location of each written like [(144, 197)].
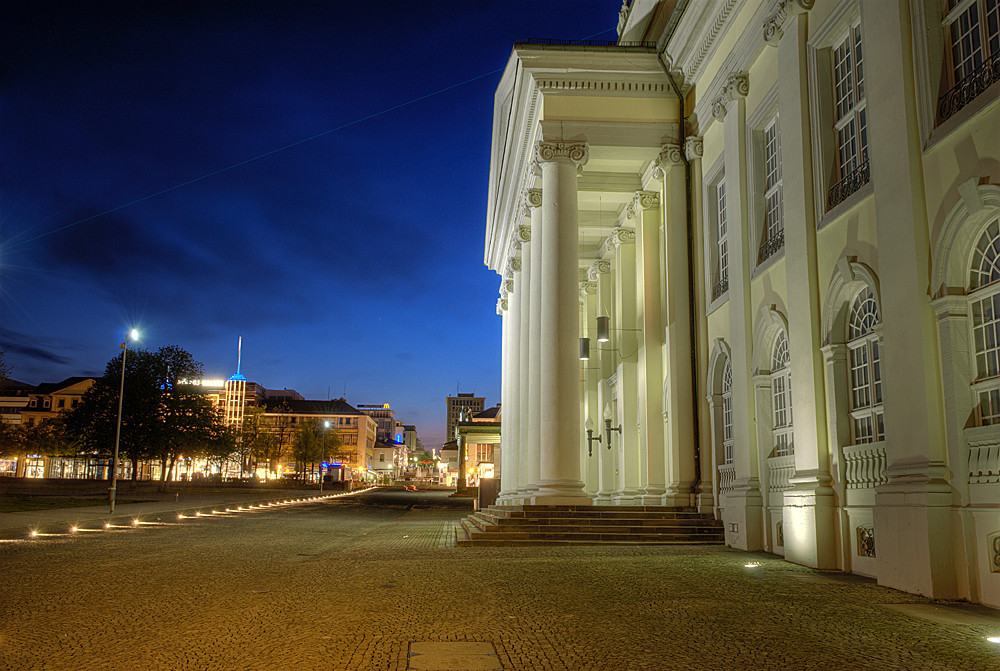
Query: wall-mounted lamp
[(590, 437), (607, 424), (584, 349), (603, 329)]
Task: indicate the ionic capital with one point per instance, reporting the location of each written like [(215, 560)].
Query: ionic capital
[(513, 265), (669, 156), (523, 234), (533, 197), (737, 86), (501, 305), (574, 152), (785, 8), (587, 288), (642, 200), (620, 236), (694, 147), (596, 268)]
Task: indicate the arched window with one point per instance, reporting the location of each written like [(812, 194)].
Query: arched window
[(867, 421), (781, 396), (984, 295), (727, 413)]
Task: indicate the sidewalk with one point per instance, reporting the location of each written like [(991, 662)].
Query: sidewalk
[(14, 525)]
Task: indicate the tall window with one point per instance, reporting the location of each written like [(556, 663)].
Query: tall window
[(781, 397), (727, 413), (866, 369), (973, 30), (723, 245), (774, 231), (985, 309), (851, 116)]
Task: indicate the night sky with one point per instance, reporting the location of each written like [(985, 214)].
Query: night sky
[(148, 181)]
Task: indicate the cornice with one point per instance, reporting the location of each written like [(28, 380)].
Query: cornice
[(698, 35), (619, 87)]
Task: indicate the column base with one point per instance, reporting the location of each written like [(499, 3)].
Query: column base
[(809, 523), (913, 521), (678, 494), (651, 495), (704, 500), (627, 497), (741, 517), (561, 493), (604, 499)]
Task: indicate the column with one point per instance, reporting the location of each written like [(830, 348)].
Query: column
[(681, 410), (706, 471), (559, 396), (645, 211), (510, 413), (531, 330), (590, 377), (913, 512), (600, 272), (743, 505), (626, 346)]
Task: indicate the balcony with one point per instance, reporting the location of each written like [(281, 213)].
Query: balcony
[(720, 287), (771, 246), (854, 180), (967, 90)]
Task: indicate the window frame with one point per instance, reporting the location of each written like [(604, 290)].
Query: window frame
[(782, 422), (868, 342), (714, 177), (764, 117), (978, 293)]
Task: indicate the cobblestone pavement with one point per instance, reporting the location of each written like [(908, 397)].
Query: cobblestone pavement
[(338, 586)]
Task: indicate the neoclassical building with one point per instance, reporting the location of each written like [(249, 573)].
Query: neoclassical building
[(750, 262)]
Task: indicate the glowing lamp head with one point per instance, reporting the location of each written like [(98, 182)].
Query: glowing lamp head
[(133, 334)]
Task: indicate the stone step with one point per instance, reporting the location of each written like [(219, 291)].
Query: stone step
[(521, 536), (499, 542), (622, 512), (596, 509), (600, 531), (629, 520)]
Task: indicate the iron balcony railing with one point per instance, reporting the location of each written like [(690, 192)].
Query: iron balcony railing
[(967, 90), (720, 287), (854, 180), (583, 43), (771, 246)]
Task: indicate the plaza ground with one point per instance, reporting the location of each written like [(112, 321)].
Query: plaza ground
[(375, 582)]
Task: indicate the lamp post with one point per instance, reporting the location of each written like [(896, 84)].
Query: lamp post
[(134, 335), (322, 460)]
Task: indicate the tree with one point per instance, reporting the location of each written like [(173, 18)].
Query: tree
[(161, 416), (253, 439), (4, 368), (281, 430), (307, 446)]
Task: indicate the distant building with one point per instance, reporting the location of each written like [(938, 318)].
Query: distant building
[(389, 460), (481, 438), (356, 430), (458, 403), (385, 417), (13, 397), (44, 402)]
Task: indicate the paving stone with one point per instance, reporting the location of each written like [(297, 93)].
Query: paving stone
[(340, 587)]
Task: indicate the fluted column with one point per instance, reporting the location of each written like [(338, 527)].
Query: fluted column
[(626, 346), (531, 330), (645, 211), (559, 399)]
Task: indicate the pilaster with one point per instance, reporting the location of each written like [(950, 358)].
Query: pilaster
[(601, 272), (626, 345), (913, 511)]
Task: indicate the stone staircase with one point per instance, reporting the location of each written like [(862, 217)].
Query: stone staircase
[(588, 525)]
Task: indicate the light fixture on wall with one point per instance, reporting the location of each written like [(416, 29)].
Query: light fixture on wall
[(590, 437), (584, 349), (607, 424)]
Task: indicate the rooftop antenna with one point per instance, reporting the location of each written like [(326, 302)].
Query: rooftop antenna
[(239, 354)]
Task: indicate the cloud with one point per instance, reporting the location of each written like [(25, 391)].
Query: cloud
[(18, 343)]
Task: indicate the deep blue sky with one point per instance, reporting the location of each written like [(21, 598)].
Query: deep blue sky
[(351, 261)]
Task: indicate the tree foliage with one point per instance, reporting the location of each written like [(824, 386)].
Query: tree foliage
[(161, 416)]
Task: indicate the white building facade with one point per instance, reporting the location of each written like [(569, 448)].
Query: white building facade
[(772, 227)]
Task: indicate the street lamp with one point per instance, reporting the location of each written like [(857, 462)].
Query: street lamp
[(322, 460), (134, 335)]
